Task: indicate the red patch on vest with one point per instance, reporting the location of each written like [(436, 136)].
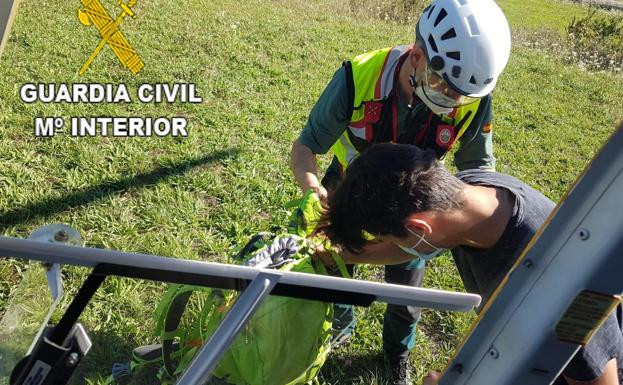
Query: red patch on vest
[(372, 114), (445, 135)]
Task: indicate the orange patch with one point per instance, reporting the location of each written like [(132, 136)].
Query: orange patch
[(487, 128), (194, 343)]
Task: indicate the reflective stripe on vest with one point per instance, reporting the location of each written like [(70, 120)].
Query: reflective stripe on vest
[(373, 80)]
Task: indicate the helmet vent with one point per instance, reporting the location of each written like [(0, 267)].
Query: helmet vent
[(472, 80), (430, 10), (456, 71), (449, 34), (432, 43), (488, 80), (440, 17), (456, 55)]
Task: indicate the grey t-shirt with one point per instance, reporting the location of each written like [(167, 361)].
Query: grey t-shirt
[(331, 114), (482, 270)]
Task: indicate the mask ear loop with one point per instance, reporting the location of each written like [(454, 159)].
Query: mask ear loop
[(420, 238)]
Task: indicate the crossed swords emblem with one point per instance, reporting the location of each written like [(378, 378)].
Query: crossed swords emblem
[(93, 12)]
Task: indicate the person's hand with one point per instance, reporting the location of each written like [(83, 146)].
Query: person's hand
[(432, 378), (321, 193), (324, 255)]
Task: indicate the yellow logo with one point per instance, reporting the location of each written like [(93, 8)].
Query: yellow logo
[(93, 12)]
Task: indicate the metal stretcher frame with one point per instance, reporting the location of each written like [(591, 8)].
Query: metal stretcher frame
[(567, 280), (256, 283), (235, 277)]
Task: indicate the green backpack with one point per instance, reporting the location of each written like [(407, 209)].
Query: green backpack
[(285, 342)]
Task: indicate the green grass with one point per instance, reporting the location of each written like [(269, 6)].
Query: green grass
[(541, 14), (259, 66)]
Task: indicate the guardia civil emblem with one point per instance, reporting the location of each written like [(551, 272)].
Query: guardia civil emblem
[(94, 13)]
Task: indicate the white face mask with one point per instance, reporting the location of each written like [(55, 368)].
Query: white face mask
[(425, 256)]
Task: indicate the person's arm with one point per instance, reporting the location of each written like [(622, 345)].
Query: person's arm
[(476, 144), (596, 363), (610, 376), (326, 122), (305, 169), (432, 378)]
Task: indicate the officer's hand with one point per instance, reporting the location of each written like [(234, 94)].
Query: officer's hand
[(432, 378)]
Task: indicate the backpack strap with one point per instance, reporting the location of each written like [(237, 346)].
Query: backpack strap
[(337, 258), (171, 323), (255, 243), (168, 316)]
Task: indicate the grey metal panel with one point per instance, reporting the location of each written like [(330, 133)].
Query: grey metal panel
[(514, 341), (91, 257), (8, 8)]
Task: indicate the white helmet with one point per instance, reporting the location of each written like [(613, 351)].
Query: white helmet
[(467, 43)]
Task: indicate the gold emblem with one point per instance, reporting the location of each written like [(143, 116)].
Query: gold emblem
[(93, 12)]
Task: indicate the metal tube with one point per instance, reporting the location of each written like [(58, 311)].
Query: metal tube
[(249, 301), (298, 285)]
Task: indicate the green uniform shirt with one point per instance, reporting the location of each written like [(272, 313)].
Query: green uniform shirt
[(330, 116)]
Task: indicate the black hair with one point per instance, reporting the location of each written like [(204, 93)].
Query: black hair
[(382, 187)]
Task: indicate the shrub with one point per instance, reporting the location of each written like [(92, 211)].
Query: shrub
[(402, 11), (597, 40)]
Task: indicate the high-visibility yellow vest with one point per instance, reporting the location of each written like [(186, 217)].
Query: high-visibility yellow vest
[(370, 81)]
